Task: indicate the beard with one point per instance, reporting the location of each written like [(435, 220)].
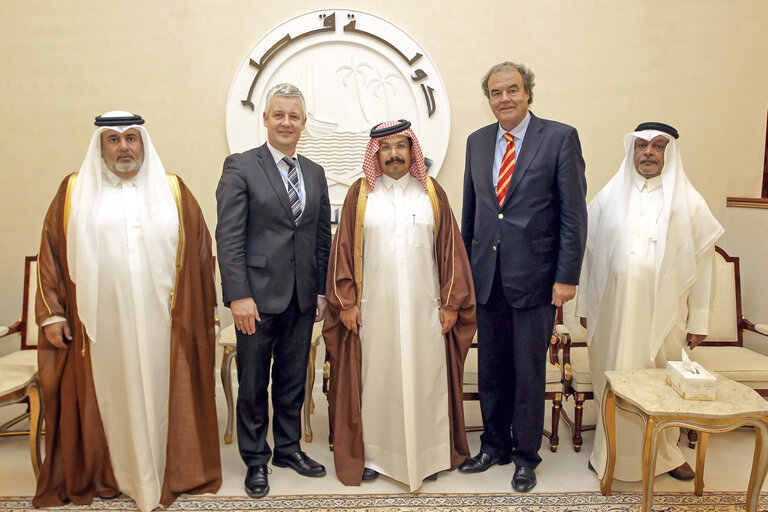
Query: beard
[(130, 166)]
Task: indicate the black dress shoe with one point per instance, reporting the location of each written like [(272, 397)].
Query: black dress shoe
[(256, 481), (300, 463), (432, 477), (483, 461), (524, 479), (370, 475), (590, 466)]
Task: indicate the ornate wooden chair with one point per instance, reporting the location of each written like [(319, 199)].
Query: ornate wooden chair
[(577, 377), (18, 369), (723, 351), (227, 339), (553, 390)]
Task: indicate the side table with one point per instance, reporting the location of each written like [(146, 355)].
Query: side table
[(646, 393)]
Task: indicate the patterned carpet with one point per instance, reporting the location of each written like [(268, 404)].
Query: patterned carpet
[(570, 502)]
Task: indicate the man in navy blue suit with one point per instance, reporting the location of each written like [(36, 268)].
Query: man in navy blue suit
[(524, 224)]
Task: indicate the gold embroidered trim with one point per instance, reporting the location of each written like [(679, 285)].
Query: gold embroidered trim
[(362, 201), (68, 199), (173, 182), (39, 281), (435, 202)]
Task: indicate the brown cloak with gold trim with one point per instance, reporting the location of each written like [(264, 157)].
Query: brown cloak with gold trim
[(77, 466), (343, 291)]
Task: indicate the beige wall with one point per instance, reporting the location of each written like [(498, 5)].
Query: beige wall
[(601, 65)]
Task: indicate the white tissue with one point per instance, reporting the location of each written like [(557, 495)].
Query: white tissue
[(690, 366)]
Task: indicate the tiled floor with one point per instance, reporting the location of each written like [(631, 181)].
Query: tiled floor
[(729, 459)]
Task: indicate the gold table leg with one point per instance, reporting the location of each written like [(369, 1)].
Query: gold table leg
[(701, 453), (649, 460), (759, 464), (609, 426)]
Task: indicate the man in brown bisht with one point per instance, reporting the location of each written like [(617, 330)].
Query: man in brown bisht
[(400, 320), (126, 308)]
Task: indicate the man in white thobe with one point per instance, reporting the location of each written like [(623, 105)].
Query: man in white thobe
[(126, 304), (413, 293), (645, 285)]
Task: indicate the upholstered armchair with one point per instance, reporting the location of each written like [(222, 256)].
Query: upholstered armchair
[(577, 376), (723, 350), (18, 369)]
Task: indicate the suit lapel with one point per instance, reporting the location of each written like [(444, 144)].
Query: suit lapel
[(485, 158), (531, 144), (309, 186), (274, 178)]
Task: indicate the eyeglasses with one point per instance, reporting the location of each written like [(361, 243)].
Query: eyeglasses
[(399, 148)]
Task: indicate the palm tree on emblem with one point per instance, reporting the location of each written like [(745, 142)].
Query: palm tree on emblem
[(356, 72), (381, 83)]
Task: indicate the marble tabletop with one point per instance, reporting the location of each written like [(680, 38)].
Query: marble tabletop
[(649, 391)]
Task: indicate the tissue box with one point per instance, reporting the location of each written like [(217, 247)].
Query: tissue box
[(691, 386)]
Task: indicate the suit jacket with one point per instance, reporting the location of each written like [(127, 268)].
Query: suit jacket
[(263, 253), (540, 231)]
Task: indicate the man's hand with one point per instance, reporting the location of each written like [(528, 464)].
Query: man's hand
[(694, 340), (246, 314), (448, 319), (562, 293), (351, 318), (322, 304), (56, 333)]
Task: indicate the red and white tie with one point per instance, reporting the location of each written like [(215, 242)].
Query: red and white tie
[(506, 169)]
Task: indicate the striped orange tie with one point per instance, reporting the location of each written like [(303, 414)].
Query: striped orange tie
[(506, 169)]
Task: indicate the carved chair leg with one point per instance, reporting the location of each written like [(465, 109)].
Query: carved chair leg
[(692, 438), (308, 403), (35, 415), (554, 439), (578, 416), (226, 381)]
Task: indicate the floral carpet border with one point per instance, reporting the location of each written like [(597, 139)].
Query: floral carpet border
[(549, 502)]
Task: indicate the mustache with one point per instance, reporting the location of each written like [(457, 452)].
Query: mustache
[(394, 159)]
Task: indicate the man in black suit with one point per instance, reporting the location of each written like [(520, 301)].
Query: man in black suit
[(524, 224), (273, 238)]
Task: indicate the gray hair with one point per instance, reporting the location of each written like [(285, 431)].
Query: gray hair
[(286, 90), (526, 73)]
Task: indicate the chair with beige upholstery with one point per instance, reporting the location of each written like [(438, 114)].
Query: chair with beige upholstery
[(553, 390), (577, 376), (18, 369), (227, 339), (723, 351)]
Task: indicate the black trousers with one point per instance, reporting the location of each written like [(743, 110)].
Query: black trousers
[(285, 339), (512, 346)]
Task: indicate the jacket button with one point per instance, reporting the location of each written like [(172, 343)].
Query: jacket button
[(501, 215), (494, 247)]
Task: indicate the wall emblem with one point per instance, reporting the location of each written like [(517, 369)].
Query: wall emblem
[(355, 70)]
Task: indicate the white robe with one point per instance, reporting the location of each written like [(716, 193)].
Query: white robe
[(404, 377), (131, 357), (619, 340)]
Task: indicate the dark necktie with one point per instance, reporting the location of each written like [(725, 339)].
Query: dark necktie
[(293, 192)]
